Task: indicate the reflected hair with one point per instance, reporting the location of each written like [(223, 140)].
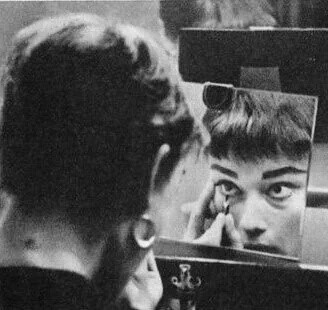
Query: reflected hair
[(87, 104), (259, 125)]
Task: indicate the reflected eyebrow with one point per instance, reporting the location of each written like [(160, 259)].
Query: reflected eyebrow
[(224, 170), (282, 171)]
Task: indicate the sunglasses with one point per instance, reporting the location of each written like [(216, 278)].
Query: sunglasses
[(218, 96)]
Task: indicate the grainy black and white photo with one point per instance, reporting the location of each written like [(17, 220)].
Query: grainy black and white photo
[(164, 154)]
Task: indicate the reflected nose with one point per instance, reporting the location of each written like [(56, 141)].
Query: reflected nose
[(252, 222)]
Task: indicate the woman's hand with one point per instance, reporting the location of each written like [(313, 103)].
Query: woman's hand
[(144, 290), (209, 205)]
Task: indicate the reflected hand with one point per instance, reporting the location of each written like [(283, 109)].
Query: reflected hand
[(144, 290), (206, 205)]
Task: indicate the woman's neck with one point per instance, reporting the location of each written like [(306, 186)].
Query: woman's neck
[(45, 242)]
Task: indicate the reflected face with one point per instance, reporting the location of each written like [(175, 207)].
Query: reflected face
[(266, 199)]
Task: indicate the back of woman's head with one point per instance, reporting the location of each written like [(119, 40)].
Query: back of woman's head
[(87, 104)]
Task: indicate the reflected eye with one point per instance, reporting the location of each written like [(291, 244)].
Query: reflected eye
[(228, 188), (280, 191)]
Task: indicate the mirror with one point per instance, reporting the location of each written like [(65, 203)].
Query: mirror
[(258, 157), (259, 153), (277, 61)]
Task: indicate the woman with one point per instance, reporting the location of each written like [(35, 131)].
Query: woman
[(93, 121)]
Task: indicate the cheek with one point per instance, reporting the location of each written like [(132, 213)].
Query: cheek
[(285, 223), (294, 208), (218, 199), (278, 219), (287, 233), (288, 218)]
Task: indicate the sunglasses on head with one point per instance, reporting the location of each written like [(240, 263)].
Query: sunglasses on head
[(217, 96)]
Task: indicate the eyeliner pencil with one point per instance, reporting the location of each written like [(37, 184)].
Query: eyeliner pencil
[(225, 240), (226, 205)]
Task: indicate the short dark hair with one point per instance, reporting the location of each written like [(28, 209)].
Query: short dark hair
[(86, 107), (214, 14), (259, 125)]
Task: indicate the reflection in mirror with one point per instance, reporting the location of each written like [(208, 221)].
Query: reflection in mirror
[(259, 152), (258, 157)]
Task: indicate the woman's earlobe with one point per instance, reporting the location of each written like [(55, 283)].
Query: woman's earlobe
[(144, 232)]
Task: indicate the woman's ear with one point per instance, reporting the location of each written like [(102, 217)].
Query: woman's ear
[(144, 232), (162, 153)]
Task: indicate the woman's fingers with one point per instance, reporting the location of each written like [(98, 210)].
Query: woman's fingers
[(219, 200), (210, 202), (145, 288), (232, 232), (213, 235), (187, 208), (198, 213), (211, 211), (151, 263), (147, 266), (206, 197)]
